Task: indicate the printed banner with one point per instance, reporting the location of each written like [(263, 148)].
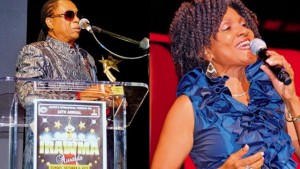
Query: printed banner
[(70, 134)]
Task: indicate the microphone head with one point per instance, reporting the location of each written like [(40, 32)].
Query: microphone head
[(85, 24), (144, 43), (256, 45)]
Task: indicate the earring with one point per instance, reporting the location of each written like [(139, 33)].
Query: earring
[(211, 72)]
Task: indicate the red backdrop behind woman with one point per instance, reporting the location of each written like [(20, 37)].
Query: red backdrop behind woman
[(163, 84)]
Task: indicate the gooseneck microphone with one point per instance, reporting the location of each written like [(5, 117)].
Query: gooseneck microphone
[(85, 24), (259, 48)]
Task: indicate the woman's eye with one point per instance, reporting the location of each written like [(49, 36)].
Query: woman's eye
[(225, 28), (244, 23)]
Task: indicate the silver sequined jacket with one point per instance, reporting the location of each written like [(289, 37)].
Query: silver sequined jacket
[(52, 59)]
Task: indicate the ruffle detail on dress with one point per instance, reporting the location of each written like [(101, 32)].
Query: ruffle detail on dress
[(261, 124)]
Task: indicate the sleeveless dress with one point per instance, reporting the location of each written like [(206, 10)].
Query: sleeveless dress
[(223, 125)]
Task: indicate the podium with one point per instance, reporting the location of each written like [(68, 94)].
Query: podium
[(62, 93)]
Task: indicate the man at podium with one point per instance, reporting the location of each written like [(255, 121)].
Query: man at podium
[(54, 56)]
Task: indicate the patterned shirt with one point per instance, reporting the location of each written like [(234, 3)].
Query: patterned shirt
[(52, 59)]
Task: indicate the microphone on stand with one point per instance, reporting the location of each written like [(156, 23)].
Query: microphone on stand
[(85, 24)]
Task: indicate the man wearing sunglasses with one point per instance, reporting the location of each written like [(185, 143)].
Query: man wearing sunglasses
[(62, 23), (54, 56)]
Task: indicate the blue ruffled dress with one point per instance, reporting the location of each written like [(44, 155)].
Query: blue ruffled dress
[(223, 125)]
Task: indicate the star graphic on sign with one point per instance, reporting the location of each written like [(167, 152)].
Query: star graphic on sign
[(57, 124), (46, 129), (45, 120), (81, 125), (109, 63)]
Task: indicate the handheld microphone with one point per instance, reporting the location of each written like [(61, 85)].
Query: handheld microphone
[(85, 24), (259, 48)]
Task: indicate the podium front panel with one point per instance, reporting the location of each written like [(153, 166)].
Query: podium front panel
[(122, 101)]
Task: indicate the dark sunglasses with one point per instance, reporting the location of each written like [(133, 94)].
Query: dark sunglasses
[(68, 15)]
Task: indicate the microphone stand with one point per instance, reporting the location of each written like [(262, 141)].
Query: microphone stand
[(120, 56), (99, 30), (144, 44)]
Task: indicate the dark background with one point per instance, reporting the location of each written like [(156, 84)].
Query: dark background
[(284, 12), (128, 19)]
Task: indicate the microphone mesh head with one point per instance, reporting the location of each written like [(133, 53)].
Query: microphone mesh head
[(85, 24), (256, 45)]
